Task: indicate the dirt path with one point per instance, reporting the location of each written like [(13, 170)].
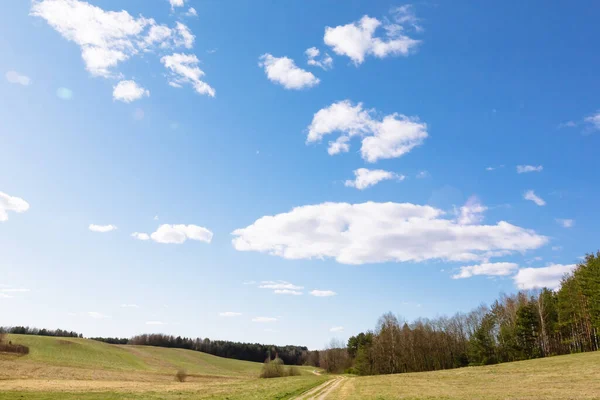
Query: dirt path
[(322, 391)]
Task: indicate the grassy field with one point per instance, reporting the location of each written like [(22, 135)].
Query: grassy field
[(71, 368), (574, 376), (67, 368)]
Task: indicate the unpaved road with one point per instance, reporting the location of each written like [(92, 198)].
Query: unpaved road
[(322, 391)]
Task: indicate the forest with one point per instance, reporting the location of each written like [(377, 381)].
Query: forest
[(515, 327)]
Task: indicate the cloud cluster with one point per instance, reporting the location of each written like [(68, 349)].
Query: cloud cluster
[(357, 40), (284, 71), (326, 62), (380, 232), (537, 278), (389, 137), (184, 70), (365, 178), (177, 234), (522, 169), (11, 203), (489, 269)]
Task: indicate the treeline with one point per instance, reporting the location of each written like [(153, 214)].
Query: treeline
[(290, 355), (516, 327), (25, 330)]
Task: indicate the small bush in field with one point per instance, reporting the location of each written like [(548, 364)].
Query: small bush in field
[(273, 369), (181, 375), (293, 371)]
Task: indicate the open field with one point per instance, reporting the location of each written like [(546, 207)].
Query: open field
[(71, 368), (574, 376), (67, 368)]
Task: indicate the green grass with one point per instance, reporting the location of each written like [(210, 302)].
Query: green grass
[(574, 376), (72, 368)]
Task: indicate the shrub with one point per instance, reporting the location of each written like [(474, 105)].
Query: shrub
[(181, 375), (273, 369), (293, 371), (13, 348)]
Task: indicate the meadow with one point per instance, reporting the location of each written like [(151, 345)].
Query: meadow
[(72, 368)]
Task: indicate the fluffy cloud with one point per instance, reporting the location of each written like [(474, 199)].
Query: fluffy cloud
[(284, 71), (11, 203), (594, 121), (177, 234), (380, 232), (17, 78), (264, 319), (191, 12), (522, 169), (530, 195), (322, 293), (287, 291), (140, 236), (176, 3), (490, 269), (184, 70), (565, 223), (389, 137), (536, 278), (107, 38), (369, 177), (128, 91), (357, 40), (326, 62), (337, 329), (230, 314), (102, 228), (471, 212)]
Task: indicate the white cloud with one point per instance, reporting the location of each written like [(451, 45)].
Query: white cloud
[(176, 3), (155, 323), (97, 315), (264, 319), (380, 232), (102, 228), (17, 78), (186, 38), (284, 71), (594, 120), (337, 329), (177, 234), (184, 70), (522, 169), (326, 62), (490, 269), (530, 195), (471, 212), (389, 137), (11, 203), (490, 168), (230, 314), (536, 278), (422, 175), (322, 293), (191, 12), (405, 16), (128, 91), (287, 291), (568, 124), (369, 177), (357, 40), (279, 285), (140, 236), (565, 223)]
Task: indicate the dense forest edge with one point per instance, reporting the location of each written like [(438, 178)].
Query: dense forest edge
[(520, 326)]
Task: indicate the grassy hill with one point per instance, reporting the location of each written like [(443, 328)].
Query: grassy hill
[(72, 368)]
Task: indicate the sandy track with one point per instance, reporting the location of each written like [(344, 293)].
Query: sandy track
[(322, 391)]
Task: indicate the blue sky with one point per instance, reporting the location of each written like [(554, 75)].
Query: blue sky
[(476, 123)]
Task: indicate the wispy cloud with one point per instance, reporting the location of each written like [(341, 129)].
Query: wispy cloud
[(337, 329), (565, 223), (530, 195), (17, 78), (522, 169), (322, 293)]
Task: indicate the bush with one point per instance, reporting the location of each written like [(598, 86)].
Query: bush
[(181, 375), (273, 369), (13, 348), (293, 371)]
